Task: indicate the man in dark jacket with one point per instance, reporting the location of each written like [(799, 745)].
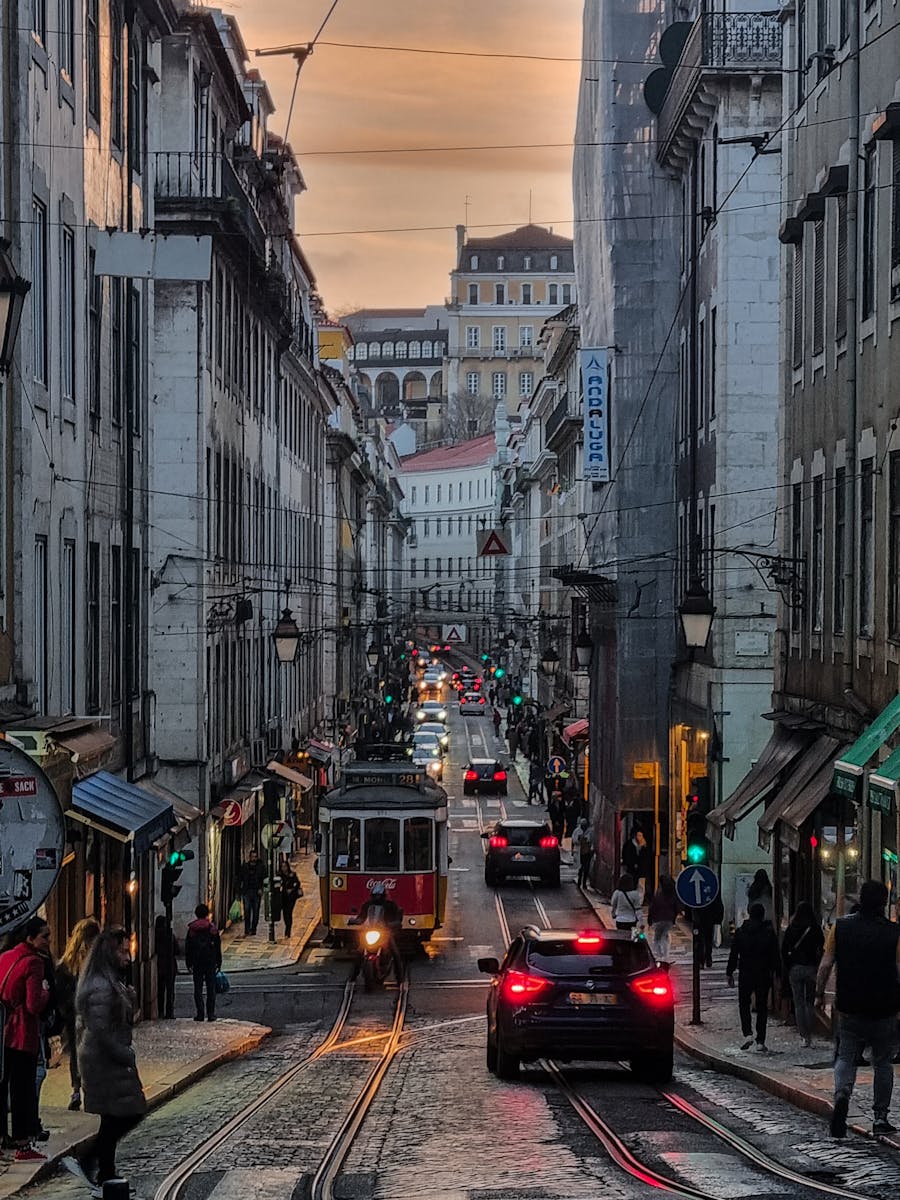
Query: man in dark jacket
[(203, 957), (251, 880), (754, 952), (864, 948)]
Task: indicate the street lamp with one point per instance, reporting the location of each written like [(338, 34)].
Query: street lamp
[(696, 612), (286, 637), (510, 640), (525, 649), (13, 290), (584, 649), (549, 661), (373, 655)]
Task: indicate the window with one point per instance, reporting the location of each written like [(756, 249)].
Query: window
[(796, 541), (92, 679), (867, 282), (526, 264), (554, 262), (553, 294), (39, 289), (426, 528), (387, 350), (866, 545), (473, 293), (438, 569), (39, 20), (136, 104), (415, 349), (95, 300), (362, 350), (473, 262), (801, 49), (817, 581), (822, 37), (196, 116), (400, 349), (417, 844), (894, 546), (438, 490), (136, 621), (843, 21), (701, 372), (895, 211), (427, 493), (426, 567), (438, 525), (499, 293), (92, 56), (41, 656), (501, 263), (498, 385), (713, 354), (526, 336), (473, 383), (473, 337), (498, 338), (66, 49), (412, 568), (797, 306), (67, 628), (427, 350), (412, 494), (449, 493), (67, 314), (117, 338), (567, 293), (526, 293), (526, 383), (116, 81), (470, 489), (345, 844), (818, 297), (135, 391), (115, 624)]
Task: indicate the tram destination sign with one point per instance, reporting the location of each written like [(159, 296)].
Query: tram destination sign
[(382, 774), (32, 836)]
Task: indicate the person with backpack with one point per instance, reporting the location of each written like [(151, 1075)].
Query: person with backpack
[(801, 952), (291, 890), (25, 994), (203, 958), (754, 953)]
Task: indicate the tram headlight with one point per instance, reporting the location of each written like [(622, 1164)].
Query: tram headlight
[(373, 937)]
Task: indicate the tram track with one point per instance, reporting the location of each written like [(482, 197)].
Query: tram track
[(618, 1150)]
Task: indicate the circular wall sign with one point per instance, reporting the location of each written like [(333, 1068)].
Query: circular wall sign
[(32, 836)]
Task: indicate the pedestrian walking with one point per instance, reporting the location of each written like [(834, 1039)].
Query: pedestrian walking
[(167, 950), (583, 850), (572, 805), (25, 992), (492, 695), (637, 859), (625, 903), (706, 919), (497, 718), (84, 933), (864, 950), (251, 877), (754, 954), (662, 915), (203, 957), (557, 813), (291, 891), (535, 783), (801, 953), (105, 1007), (760, 892), (512, 738)]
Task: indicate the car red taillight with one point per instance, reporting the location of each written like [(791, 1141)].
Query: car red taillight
[(500, 777), (588, 941), (655, 988), (471, 776), (522, 988), (481, 699), (548, 843), (499, 843)]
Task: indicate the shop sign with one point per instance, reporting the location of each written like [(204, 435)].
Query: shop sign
[(595, 390), (32, 836)]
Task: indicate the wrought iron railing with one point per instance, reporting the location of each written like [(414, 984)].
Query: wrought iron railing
[(720, 42), (556, 418)]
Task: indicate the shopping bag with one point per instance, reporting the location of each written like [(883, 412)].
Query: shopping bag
[(235, 912), (222, 984)]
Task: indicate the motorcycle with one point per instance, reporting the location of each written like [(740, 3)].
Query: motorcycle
[(375, 946)]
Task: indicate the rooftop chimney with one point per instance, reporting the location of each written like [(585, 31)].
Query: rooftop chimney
[(460, 239)]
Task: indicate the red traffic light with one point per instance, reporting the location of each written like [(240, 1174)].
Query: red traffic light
[(813, 841)]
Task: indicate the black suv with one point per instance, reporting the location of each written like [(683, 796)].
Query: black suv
[(597, 995), (484, 775), (521, 848)]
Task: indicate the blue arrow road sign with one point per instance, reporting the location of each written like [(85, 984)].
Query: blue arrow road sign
[(697, 886), (556, 765)]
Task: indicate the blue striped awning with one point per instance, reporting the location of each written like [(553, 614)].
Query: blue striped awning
[(121, 810)]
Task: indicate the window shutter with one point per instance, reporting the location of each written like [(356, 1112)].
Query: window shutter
[(840, 293), (818, 318), (797, 301), (895, 208)]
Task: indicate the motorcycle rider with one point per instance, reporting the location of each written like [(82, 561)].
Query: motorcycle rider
[(391, 917)]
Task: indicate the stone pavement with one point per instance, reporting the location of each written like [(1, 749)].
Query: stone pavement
[(171, 1055), (803, 1077), (257, 953)]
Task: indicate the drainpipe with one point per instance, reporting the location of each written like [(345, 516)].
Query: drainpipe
[(850, 408)]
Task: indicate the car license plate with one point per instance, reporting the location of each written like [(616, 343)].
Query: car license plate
[(593, 998), (523, 858)]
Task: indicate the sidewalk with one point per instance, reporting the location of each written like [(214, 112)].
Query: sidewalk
[(171, 1056), (257, 953), (802, 1077)]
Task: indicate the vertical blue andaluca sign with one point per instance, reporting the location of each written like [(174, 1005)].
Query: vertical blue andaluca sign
[(595, 389)]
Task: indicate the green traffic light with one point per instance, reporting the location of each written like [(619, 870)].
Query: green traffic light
[(484, 658), (517, 700), (176, 858), (499, 673), (388, 699), (696, 854)]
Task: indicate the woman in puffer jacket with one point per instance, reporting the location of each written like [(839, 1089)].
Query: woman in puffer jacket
[(110, 1084)]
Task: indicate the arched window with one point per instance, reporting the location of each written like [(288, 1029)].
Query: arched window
[(374, 350), (401, 349), (362, 350), (473, 262), (387, 349), (426, 350), (415, 349)]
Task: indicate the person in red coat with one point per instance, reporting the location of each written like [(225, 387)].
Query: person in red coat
[(25, 993)]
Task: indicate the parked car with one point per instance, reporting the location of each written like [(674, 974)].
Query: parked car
[(596, 995), (484, 775), (471, 703), (521, 848)]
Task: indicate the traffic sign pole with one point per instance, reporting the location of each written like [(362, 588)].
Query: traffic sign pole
[(695, 974), (697, 887)]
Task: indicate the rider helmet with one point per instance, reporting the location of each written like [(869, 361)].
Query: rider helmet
[(378, 890)]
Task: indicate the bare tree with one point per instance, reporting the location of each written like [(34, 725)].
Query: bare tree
[(467, 417)]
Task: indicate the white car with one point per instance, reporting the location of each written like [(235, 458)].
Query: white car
[(428, 741), (440, 731), (472, 703), (431, 710), (429, 756)]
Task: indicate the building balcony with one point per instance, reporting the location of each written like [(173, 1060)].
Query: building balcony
[(719, 46), (204, 188), (563, 417)]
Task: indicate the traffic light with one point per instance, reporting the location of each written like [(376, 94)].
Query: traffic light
[(485, 657), (171, 874), (697, 844), (388, 698), (271, 807), (517, 699), (499, 673)]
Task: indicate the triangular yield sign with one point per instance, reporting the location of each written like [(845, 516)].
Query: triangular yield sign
[(453, 635), (493, 544)]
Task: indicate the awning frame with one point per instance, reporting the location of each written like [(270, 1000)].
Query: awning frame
[(848, 769), (779, 752)]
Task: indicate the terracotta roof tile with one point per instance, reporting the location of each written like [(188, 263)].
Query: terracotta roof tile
[(466, 454)]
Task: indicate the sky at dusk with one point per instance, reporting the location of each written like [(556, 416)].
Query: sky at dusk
[(366, 100)]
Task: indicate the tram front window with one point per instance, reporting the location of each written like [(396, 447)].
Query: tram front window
[(417, 836), (382, 844), (345, 842)]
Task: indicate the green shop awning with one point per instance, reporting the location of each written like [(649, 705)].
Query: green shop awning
[(883, 784), (848, 769)]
